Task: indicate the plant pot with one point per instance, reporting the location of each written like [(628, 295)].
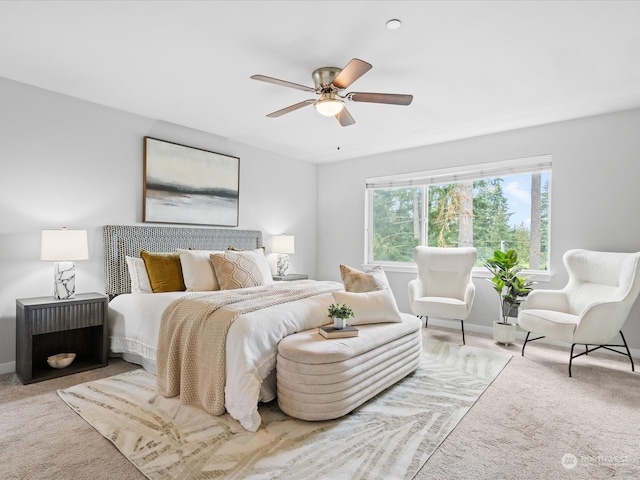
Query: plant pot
[(504, 333), (339, 323)]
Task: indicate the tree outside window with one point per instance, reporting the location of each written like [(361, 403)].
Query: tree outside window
[(496, 213)]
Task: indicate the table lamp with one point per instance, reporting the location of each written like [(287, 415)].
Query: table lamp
[(283, 245), (64, 247)]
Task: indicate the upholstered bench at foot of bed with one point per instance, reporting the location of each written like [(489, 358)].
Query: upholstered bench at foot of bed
[(321, 379)]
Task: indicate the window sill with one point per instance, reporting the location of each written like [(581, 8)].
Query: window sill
[(478, 272)]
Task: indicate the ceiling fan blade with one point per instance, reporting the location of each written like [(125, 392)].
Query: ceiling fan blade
[(290, 108), (349, 74), (345, 118), (284, 83), (391, 98)]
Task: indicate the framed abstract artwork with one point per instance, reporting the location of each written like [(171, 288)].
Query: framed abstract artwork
[(189, 185)]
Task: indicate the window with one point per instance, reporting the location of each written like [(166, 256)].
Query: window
[(495, 206)]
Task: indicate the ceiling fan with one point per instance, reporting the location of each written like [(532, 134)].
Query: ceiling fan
[(329, 83)]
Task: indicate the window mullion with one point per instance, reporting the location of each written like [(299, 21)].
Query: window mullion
[(425, 215)]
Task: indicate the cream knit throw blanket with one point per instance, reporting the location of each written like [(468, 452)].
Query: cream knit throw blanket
[(192, 339)]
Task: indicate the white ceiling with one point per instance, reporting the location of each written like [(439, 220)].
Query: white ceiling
[(473, 67)]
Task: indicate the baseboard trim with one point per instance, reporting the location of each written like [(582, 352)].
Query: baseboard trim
[(520, 334), (8, 367)]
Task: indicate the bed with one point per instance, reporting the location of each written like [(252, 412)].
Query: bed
[(252, 338)]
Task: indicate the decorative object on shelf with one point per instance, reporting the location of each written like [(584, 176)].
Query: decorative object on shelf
[(61, 360), (283, 245), (64, 247), (512, 290), (189, 185), (339, 314)]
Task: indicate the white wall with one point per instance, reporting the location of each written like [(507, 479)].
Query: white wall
[(67, 162), (595, 197)]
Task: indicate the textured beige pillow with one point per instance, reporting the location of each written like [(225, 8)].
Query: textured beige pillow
[(164, 271), (241, 269), (197, 270), (359, 282), (371, 307)]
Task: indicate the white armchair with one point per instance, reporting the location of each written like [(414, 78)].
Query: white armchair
[(591, 308), (443, 288)]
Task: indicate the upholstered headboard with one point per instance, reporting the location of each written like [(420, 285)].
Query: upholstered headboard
[(127, 240)]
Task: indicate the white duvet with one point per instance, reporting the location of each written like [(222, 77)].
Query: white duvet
[(251, 348)]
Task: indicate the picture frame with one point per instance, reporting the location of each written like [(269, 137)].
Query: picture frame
[(189, 185)]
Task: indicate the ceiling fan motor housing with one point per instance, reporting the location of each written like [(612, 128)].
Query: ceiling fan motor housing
[(323, 78)]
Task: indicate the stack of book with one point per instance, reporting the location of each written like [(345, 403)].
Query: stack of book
[(329, 331)]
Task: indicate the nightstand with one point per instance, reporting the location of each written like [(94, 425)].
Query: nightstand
[(46, 326), (288, 278)]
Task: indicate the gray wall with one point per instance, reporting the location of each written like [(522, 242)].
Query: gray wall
[(594, 198), (67, 162)]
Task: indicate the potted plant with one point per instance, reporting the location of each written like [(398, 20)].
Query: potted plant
[(512, 290), (339, 314)]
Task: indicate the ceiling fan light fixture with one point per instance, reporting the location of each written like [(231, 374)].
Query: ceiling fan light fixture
[(329, 104)]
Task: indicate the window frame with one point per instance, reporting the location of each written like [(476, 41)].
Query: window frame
[(498, 169)]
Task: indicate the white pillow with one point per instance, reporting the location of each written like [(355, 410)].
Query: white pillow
[(263, 264), (138, 273), (197, 270), (370, 307)]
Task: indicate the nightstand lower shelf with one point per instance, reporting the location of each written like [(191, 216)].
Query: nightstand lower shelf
[(46, 327), (46, 372), (84, 342)]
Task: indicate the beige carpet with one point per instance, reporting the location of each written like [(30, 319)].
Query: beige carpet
[(390, 437), (522, 426)]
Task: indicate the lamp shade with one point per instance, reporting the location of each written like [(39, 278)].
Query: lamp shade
[(64, 245), (283, 244)]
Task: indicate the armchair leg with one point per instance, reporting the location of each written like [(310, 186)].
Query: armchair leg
[(606, 347), (425, 318), (527, 340), (571, 357), (633, 368), (426, 324), (525, 343)]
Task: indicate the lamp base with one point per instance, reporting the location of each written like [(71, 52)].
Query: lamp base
[(283, 264), (64, 280)]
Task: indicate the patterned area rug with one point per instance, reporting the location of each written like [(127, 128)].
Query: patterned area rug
[(389, 437)]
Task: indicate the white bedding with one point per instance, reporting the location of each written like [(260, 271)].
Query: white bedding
[(251, 347)]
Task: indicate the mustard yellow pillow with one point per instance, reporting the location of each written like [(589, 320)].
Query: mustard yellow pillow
[(164, 271)]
